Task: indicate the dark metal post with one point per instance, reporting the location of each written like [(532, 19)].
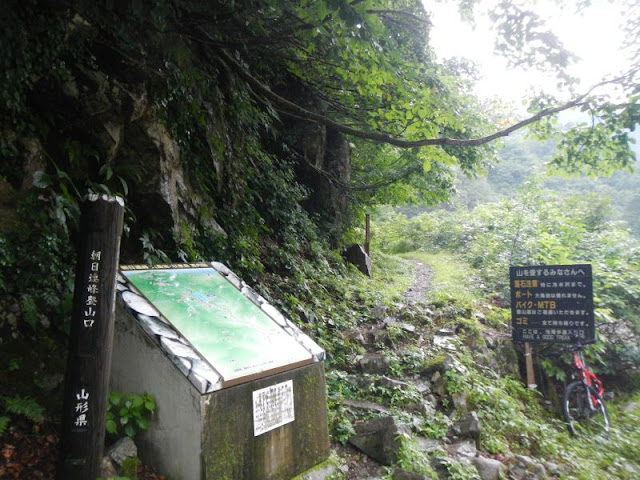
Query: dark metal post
[(92, 325), (367, 233)]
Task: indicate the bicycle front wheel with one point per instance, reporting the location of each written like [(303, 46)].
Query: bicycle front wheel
[(581, 415)]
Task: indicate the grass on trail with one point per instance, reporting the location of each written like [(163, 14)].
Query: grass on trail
[(453, 280), (391, 278)]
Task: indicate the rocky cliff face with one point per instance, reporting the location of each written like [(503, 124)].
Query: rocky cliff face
[(324, 169), (177, 140), (98, 98)]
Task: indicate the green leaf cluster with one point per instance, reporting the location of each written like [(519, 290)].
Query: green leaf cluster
[(129, 413), (36, 264)]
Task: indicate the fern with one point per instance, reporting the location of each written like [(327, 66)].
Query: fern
[(29, 310), (25, 406), (4, 423), (51, 297)]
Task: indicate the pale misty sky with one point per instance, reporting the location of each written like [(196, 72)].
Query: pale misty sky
[(595, 37)]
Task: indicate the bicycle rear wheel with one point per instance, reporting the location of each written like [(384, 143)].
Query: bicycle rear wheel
[(580, 417)]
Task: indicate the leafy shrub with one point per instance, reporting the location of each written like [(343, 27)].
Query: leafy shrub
[(412, 459), (436, 426), (129, 413)]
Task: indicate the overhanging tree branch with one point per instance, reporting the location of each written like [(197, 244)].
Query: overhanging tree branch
[(392, 14), (290, 108)]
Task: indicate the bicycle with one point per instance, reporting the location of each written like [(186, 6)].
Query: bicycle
[(583, 405)]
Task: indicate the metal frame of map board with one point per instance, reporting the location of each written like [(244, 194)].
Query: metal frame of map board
[(552, 303), (216, 329)]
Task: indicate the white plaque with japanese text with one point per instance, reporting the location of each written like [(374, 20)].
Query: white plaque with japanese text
[(272, 407)]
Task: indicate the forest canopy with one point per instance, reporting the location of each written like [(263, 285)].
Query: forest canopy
[(362, 68), (246, 131)]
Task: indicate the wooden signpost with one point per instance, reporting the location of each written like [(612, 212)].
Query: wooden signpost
[(92, 324), (528, 362), (367, 233)]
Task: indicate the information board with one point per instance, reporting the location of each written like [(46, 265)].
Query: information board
[(552, 303), (272, 407), (231, 333)]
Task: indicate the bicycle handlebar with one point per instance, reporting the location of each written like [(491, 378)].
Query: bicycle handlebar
[(573, 348)]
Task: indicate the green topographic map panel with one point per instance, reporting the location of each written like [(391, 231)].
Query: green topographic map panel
[(233, 334)]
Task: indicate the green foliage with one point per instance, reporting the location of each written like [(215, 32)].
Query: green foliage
[(436, 426), (325, 297), (36, 265), (524, 160), (512, 417), (610, 136), (434, 362), (29, 310), (452, 283), (616, 456), (459, 471), (338, 388), (412, 459), (153, 255), (518, 26), (242, 162), (554, 370), (454, 382), (392, 396), (24, 406), (4, 423), (537, 227), (129, 413), (341, 428), (36, 35), (395, 233), (368, 61)]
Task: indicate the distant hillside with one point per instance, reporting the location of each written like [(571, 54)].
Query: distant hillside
[(524, 160)]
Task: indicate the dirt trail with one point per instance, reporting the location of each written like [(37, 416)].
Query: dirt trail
[(355, 464), (422, 279)]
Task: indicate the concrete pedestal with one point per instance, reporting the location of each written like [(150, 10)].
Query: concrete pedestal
[(210, 436)]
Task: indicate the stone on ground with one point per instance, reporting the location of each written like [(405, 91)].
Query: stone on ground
[(400, 474), (379, 438), (488, 468), (356, 255), (121, 450)]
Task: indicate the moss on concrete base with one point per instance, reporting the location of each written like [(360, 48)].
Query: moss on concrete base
[(232, 452)]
